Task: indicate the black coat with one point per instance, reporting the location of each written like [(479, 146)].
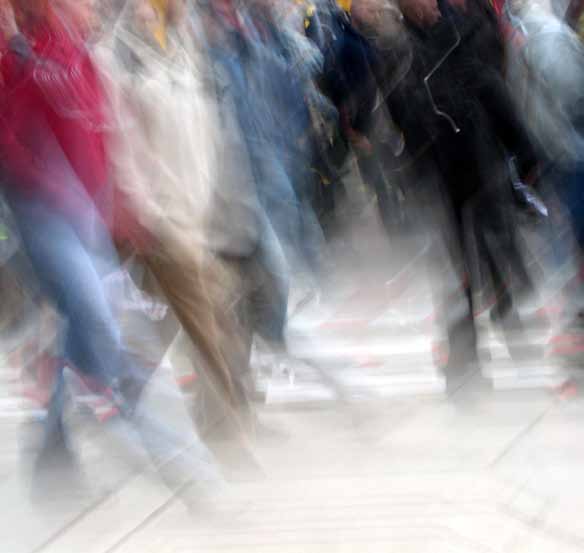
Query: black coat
[(469, 88), (348, 77)]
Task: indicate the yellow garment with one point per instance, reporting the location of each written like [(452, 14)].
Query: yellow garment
[(309, 11), (160, 32), (345, 5)]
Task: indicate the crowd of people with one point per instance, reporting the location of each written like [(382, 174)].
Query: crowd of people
[(199, 146)]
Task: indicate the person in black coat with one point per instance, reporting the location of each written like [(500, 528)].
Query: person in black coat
[(460, 126)]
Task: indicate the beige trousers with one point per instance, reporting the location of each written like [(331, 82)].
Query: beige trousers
[(199, 290)]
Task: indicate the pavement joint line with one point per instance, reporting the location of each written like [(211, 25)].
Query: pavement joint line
[(434, 532), (149, 518), (523, 433), (545, 529), (464, 380), (47, 542), (120, 485)]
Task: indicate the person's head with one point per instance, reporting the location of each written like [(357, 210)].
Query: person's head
[(364, 11), (375, 13), (144, 16), (210, 23), (225, 11), (423, 13), (80, 15), (176, 11), (27, 12), (380, 21)]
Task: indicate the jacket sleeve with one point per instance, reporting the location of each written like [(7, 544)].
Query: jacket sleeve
[(68, 83), (18, 102)]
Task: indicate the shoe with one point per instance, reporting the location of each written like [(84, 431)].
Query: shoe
[(462, 344), (57, 476)]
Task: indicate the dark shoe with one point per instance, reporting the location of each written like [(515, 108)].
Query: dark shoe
[(502, 309), (462, 343), (57, 476)]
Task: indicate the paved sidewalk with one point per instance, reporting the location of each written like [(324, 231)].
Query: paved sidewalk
[(479, 471)]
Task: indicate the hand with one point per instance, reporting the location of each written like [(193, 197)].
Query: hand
[(361, 143), (8, 26)]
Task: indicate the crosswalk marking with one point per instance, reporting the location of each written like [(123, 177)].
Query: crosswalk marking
[(383, 349)]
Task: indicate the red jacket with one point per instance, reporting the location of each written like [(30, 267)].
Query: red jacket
[(51, 93), (51, 88)]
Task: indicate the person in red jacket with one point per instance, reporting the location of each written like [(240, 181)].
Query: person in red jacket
[(53, 169)]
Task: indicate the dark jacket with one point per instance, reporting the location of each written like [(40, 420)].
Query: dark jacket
[(468, 87)]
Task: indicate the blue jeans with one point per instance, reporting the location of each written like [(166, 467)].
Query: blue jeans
[(269, 299), (280, 181), (283, 194), (69, 259), (309, 241)]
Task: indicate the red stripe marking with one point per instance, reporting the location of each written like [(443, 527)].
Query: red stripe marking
[(107, 415), (187, 379), (370, 362), (37, 395), (568, 350), (568, 390), (440, 354)]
